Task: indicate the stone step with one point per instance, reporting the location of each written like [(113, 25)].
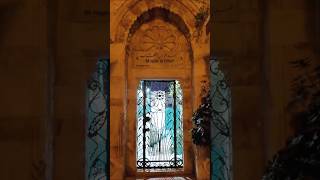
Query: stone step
[(162, 178)]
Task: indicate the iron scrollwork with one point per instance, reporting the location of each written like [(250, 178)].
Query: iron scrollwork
[(159, 122), (97, 123), (221, 141)]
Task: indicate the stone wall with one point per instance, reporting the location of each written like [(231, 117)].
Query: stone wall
[(254, 41), (237, 43), (47, 51), (49, 48), (81, 38), (24, 85), (290, 33)]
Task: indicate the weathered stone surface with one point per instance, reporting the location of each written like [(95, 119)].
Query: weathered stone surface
[(160, 42), (61, 40)]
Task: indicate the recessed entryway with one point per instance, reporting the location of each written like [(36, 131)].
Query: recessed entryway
[(159, 124)]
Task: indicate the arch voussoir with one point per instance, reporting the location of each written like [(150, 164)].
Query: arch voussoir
[(133, 10)]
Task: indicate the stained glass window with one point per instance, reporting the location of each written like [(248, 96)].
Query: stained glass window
[(159, 124)]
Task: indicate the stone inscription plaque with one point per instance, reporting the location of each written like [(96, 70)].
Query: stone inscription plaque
[(159, 45)]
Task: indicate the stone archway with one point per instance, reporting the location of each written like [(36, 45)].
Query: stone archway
[(158, 48), (127, 12), (128, 20)]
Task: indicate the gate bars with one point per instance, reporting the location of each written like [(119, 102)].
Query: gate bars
[(221, 141), (97, 128)]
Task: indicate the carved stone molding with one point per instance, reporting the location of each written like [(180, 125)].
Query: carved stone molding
[(157, 45)]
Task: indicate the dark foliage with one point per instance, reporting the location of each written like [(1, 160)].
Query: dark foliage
[(201, 121), (201, 17), (300, 159)]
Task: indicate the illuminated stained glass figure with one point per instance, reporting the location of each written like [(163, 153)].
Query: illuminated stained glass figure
[(159, 124)]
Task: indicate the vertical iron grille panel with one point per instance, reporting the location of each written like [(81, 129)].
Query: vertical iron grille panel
[(221, 125), (159, 124), (97, 123)]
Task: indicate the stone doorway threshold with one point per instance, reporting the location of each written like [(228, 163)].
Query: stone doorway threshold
[(162, 178)]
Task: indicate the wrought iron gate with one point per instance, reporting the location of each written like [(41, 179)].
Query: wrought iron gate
[(221, 126), (97, 129), (159, 124)]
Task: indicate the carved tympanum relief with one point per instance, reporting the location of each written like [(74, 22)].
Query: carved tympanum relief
[(158, 45)]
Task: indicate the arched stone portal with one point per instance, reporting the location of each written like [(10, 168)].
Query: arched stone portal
[(158, 49), (154, 40)]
